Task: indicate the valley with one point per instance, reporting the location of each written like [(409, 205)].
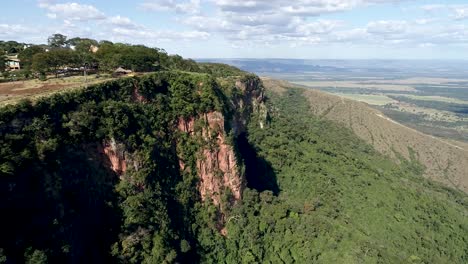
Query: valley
[(234, 132), (429, 96), (180, 166)]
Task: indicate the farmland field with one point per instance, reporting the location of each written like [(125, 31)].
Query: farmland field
[(430, 96), (372, 99)]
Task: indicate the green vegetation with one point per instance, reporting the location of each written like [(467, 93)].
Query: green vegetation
[(339, 201), (372, 99), (436, 98), (457, 108), (316, 193), (456, 90), (10, 47), (73, 56), (62, 200)]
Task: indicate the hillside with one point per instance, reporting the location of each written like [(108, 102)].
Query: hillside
[(327, 197), (123, 171), (206, 166), (445, 161)]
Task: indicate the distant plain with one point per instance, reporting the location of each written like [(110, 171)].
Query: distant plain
[(429, 96)]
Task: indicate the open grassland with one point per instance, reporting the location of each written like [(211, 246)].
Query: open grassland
[(11, 92), (433, 105), (372, 99), (419, 80), (356, 85), (428, 114), (434, 98), (378, 84)]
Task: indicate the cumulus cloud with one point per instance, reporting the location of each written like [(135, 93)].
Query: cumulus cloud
[(279, 20), (156, 35), (433, 7), (460, 12), (269, 22), (185, 7), (387, 27), (99, 25), (424, 21), (72, 11), (122, 22), (12, 30), (457, 12), (45, 3)]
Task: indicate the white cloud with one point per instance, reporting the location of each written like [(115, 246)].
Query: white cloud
[(457, 11), (12, 30), (72, 11), (461, 12), (278, 20), (318, 7), (185, 7), (433, 7), (426, 45), (45, 3), (123, 22), (387, 27), (318, 27), (424, 21), (154, 35), (266, 23)]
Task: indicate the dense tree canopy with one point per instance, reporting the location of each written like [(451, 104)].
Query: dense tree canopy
[(2, 63), (26, 56), (57, 41), (11, 47), (54, 60), (315, 192), (105, 56)]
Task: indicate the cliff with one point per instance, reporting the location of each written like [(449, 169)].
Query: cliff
[(143, 154), (218, 166)]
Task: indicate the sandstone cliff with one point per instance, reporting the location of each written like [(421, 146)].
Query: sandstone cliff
[(218, 166)]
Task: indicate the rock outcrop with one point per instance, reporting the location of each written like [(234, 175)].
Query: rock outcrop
[(116, 155), (218, 165)]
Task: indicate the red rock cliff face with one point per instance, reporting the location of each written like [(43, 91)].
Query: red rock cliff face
[(218, 167), (116, 155)]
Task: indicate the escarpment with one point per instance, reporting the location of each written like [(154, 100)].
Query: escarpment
[(218, 165), (144, 154)]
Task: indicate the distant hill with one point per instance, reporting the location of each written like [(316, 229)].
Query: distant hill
[(445, 161), (283, 68)]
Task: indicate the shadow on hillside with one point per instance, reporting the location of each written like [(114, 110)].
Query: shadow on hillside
[(259, 173), (71, 209)]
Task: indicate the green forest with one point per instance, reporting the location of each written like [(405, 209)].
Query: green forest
[(71, 56), (325, 196), (315, 192)]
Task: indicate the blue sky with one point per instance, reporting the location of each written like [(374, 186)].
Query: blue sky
[(310, 29)]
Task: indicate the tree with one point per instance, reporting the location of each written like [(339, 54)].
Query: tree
[(57, 41), (26, 56), (10, 47), (53, 60), (2, 63)]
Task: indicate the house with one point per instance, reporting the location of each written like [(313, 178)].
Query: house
[(121, 71), (12, 63)]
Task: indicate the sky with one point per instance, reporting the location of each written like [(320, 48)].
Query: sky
[(305, 29)]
